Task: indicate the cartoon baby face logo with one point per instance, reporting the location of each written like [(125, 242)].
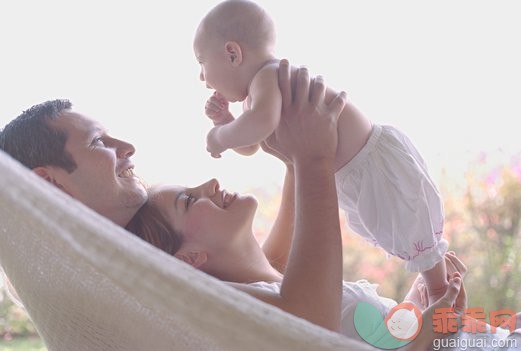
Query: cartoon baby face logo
[(404, 321), (394, 330)]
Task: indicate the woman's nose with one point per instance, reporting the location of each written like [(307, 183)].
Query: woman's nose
[(209, 188)]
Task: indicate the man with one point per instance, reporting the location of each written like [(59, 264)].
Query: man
[(75, 153)]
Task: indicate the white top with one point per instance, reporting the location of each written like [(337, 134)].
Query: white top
[(353, 292), (363, 291)]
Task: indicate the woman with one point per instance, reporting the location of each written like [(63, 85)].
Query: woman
[(299, 269)]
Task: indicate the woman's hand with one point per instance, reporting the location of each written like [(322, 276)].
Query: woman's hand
[(272, 150), (454, 264), (418, 292), (456, 298), (308, 127)]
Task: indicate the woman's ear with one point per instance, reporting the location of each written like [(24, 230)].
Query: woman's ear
[(194, 258), (233, 53)]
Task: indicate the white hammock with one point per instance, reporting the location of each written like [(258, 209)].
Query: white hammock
[(87, 284)]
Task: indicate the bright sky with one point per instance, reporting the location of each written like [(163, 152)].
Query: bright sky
[(447, 73)]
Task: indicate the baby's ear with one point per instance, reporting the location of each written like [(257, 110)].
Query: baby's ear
[(193, 258), (233, 53)]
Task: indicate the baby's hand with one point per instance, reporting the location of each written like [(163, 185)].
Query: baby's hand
[(212, 143), (217, 109)]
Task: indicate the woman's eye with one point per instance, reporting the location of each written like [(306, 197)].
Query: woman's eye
[(189, 200)]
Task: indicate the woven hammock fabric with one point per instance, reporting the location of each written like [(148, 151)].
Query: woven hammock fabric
[(87, 284)]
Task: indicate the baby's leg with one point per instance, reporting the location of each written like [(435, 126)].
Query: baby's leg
[(354, 130), (418, 293), (436, 281)]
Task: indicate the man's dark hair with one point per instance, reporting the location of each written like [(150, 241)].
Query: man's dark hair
[(32, 140)]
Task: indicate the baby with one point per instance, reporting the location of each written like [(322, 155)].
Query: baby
[(382, 181)]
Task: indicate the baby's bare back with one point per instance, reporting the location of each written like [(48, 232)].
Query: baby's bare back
[(353, 128)]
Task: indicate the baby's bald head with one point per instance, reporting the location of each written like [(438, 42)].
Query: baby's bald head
[(241, 21)]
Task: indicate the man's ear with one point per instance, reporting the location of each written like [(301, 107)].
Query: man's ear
[(48, 174), (194, 258), (233, 53)]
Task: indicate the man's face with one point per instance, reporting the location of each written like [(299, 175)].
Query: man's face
[(103, 179)]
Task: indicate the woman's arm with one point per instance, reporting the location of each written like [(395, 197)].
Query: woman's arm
[(455, 297), (278, 243), (314, 268), (307, 135)]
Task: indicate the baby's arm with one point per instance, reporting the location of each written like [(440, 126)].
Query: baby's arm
[(217, 109), (255, 124)]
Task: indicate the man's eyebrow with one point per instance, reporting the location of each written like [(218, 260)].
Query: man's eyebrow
[(99, 129), (96, 130)]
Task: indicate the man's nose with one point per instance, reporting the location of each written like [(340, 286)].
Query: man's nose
[(124, 149)]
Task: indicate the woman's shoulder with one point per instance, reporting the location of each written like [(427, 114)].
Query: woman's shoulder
[(257, 289), (364, 291), (269, 286), (360, 290)]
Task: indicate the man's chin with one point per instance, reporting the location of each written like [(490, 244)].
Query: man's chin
[(135, 186), (132, 181), (138, 198)]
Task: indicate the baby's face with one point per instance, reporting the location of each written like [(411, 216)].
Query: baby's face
[(218, 69), (206, 53)]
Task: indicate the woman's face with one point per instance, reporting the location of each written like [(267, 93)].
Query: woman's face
[(208, 218)]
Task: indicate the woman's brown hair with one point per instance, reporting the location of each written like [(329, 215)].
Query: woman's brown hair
[(150, 225)]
